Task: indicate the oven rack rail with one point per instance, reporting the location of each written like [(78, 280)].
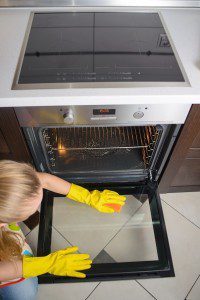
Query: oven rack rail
[(74, 138)]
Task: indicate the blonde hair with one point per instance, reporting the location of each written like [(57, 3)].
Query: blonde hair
[(18, 183)]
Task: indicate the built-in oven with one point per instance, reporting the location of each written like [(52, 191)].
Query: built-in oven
[(123, 148)]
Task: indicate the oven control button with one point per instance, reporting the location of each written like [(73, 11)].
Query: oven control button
[(138, 115), (68, 116)]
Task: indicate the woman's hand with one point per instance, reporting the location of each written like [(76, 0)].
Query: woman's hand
[(63, 263), (105, 201)]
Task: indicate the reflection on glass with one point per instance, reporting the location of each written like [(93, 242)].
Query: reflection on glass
[(127, 236)]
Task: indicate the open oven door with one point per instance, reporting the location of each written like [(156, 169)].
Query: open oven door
[(125, 245)]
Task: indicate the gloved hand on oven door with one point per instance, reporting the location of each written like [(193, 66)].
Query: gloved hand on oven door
[(106, 201), (62, 263)]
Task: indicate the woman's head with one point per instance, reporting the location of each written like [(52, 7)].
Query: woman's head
[(20, 196), (20, 191)]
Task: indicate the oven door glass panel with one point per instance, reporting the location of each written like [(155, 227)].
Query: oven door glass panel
[(130, 243), (74, 151)]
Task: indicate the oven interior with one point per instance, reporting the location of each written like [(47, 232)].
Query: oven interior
[(88, 151)]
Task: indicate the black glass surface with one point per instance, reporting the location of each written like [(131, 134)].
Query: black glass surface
[(98, 47)]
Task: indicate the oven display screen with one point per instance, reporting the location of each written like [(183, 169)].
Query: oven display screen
[(103, 111)]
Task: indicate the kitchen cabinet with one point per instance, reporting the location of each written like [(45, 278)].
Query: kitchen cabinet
[(12, 143), (182, 173)]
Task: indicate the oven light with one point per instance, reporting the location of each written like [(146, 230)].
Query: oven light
[(61, 149)]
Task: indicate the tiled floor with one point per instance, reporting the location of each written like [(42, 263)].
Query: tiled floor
[(127, 236), (182, 216)]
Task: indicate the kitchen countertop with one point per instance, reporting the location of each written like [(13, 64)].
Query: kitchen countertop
[(135, 3), (183, 26)]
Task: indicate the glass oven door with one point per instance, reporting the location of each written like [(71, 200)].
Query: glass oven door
[(129, 244)]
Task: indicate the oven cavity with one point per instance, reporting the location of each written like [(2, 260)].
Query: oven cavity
[(99, 149)]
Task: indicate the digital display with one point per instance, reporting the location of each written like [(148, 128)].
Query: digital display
[(103, 111)]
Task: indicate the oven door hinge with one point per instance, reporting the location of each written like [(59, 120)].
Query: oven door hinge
[(151, 179), (152, 175)]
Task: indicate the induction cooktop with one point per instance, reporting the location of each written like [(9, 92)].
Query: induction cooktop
[(96, 49)]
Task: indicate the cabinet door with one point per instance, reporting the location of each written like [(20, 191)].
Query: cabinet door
[(12, 143), (183, 170)]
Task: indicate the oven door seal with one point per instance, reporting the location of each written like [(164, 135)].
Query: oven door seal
[(163, 267)]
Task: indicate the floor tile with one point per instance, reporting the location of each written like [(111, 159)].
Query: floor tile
[(184, 239), (69, 291), (188, 204), (195, 292), (24, 228), (58, 242), (136, 241), (103, 257), (87, 228), (120, 290), (32, 239)]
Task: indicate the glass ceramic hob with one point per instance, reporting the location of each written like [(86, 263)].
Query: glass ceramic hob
[(96, 47)]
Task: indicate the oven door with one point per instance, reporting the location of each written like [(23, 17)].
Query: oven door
[(125, 245)]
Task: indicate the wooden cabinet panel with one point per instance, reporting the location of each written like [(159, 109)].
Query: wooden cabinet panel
[(196, 142), (194, 153), (183, 170), (4, 149), (12, 143), (188, 174)]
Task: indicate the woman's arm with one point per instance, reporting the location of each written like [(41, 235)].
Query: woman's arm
[(10, 270), (54, 183)]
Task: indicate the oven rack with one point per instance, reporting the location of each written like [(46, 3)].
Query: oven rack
[(77, 138), (100, 141)]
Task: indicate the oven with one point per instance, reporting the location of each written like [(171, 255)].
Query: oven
[(119, 147)]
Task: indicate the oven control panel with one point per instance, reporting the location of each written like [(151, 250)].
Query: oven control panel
[(138, 115), (103, 115)]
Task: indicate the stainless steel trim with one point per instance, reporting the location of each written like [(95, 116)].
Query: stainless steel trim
[(22, 52), (153, 114), (84, 85), (92, 3), (174, 49)]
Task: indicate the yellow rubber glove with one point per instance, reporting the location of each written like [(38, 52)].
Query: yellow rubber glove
[(61, 262), (96, 198)]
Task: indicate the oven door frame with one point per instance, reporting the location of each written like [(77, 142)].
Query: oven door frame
[(163, 267)]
